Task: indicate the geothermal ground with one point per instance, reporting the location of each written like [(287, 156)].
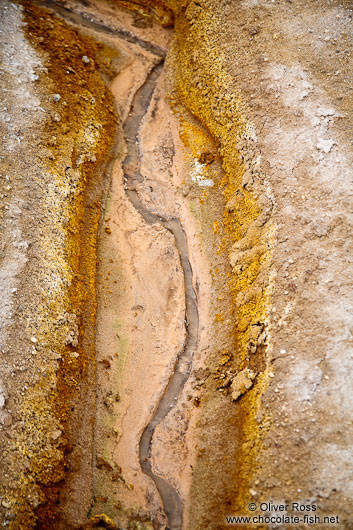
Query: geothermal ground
[(176, 264)]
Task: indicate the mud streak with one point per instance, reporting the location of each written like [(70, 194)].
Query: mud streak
[(131, 166)]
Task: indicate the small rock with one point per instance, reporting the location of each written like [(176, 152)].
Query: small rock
[(102, 463), (55, 434), (325, 145), (224, 359), (34, 340), (105, 363), (85, 59), (242, 382), (5, 419), (72, 338), (56, 97)]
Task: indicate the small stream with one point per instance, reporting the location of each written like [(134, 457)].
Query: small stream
[(131, 166)]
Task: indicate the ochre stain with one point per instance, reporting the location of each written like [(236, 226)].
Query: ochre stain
[(150, 10), (205, 89), (78, 138), (203, 86)]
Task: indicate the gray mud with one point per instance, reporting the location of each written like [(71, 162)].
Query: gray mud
[(132, 176)]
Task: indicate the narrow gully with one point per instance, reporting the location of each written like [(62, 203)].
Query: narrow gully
[(131, 166), (171, 501)]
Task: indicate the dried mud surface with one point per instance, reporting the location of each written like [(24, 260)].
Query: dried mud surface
[(245, 138)]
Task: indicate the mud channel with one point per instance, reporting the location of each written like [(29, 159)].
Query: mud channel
[(132, 178), (131, 165)]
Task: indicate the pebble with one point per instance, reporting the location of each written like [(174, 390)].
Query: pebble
[(56, 97), (85, 59), (325, 145), (34, 340), (242, 382), (282, 352), (6, 419), (56, 434)]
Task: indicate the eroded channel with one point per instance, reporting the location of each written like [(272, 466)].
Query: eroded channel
[(132, 176), (171, 500)]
